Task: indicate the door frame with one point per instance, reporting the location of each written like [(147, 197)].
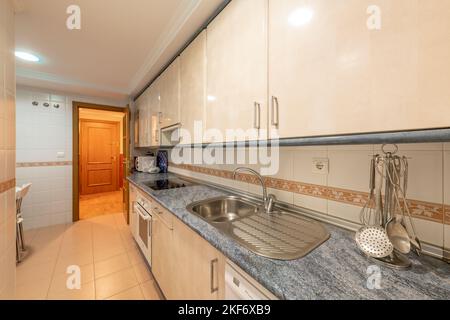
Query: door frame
[(76, 106)]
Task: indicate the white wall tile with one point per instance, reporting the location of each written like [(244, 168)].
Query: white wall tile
[(447, 177), (313, 203), (302, 164), (425, 175), (349, 169), (344, 211), (429, 231), (447, 236)]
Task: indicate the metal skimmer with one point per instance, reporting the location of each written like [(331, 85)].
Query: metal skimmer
[(283, 236)]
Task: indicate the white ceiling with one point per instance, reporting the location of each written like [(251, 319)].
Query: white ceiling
[(121, 46)]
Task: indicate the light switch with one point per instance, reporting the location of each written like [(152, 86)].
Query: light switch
[(61, 154), (320, 165)]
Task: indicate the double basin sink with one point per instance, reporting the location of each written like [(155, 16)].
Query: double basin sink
[(282, 235)]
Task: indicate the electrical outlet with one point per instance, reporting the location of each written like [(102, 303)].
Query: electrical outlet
[(320, 165)]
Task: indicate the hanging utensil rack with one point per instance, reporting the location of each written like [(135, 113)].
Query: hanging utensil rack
[(392, 174)]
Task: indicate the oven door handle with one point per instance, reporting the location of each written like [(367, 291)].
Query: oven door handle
[(144, 216)]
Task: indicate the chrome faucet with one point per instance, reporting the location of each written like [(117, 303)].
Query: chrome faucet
[(268, 200)]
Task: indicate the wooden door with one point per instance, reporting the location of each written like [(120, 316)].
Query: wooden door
[(237, 70), (100, 150)]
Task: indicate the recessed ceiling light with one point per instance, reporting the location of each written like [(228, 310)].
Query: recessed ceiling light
[(27, 56), (300, 17)]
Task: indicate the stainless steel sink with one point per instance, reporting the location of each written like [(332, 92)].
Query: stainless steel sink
[(279, 235), (223, 209)]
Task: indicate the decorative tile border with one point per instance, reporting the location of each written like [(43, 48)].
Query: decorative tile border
[(447, 215), (43, 164), (5, 186), (419, 209)]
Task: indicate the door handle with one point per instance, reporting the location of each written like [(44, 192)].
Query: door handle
[(275, 112), (257, 116), (213, 272)]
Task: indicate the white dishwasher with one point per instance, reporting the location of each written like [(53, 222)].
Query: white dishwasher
[(240, 286)]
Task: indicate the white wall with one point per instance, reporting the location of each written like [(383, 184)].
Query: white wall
[(41, 134)]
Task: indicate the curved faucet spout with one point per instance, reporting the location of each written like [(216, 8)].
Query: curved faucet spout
[(268, 201)]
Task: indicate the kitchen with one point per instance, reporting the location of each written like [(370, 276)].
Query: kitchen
[(272, 150)]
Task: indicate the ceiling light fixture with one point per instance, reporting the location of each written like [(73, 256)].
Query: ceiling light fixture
[(27, 56)]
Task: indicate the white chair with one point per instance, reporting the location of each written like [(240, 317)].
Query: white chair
[(21, 192)]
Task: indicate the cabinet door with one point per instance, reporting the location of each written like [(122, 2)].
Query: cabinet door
[(200, 268), (142, 106), (332, 74), (237, 69), (170, 95), (154, 114), (162, 257), (132, 197), (193, 87), (302, 58)]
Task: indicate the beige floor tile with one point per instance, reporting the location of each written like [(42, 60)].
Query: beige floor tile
[(112, 265), (79, 258), (107, 252), (86, 292), (27, 274), (34, 290), (39, 256), (151, 291), (135, 256), (130, 294), (59, 279), (115, 283), (142, 272)]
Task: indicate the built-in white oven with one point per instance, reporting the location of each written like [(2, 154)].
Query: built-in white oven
[(143, 225)]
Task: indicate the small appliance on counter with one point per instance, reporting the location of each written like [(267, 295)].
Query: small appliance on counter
[(162, 161), (146, 164)]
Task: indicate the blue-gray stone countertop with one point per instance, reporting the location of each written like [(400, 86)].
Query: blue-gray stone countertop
[(335, 270)]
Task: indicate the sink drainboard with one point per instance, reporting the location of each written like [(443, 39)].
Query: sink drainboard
[(283, 236)]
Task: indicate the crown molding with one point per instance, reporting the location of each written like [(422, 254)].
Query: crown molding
[(183, 12)]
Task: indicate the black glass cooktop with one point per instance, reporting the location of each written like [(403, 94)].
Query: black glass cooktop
[(171, 183)]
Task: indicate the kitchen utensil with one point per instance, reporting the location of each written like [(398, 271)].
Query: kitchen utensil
[(374, 242), (368, 211), (400, 193), (398, 235)]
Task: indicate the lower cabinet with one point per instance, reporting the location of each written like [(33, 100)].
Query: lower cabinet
[(132, 198), (185, 265)]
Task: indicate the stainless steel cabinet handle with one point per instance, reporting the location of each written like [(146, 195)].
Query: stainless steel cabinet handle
[(275, 112), (213, 272), (257, 116)]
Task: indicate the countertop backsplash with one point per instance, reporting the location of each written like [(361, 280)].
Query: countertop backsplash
[(341, 190)]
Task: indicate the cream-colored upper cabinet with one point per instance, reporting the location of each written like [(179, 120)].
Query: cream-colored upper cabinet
[(153, 114), (169, 91), (237, 69), (339, 67), (193, 88), (142, 107), (302, 57)]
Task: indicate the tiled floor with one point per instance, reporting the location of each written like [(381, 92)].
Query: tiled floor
[(110, 263), (98, 204)]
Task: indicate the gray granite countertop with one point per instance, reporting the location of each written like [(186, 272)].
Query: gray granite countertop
[(335, 270)]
